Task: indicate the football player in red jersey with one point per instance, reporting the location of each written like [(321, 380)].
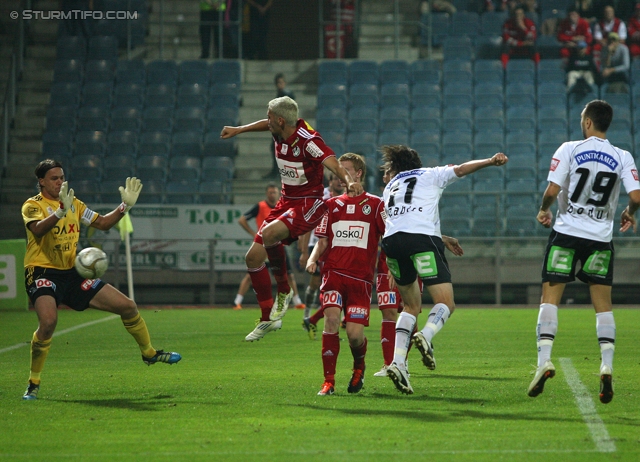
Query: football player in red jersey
[(301, 155), (348, 241)]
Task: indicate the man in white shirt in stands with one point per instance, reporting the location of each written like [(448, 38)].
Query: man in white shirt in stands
[(585, 178)]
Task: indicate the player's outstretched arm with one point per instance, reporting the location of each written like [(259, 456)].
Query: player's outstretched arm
[(472, 166), (628, 219), (129, 194), (257, 126), (453, 245)]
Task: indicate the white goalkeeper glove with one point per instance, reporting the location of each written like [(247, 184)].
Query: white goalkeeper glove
[(66, 200), (130, 193)]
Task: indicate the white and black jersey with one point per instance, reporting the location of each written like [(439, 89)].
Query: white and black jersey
[(411, 200), (590, 172)]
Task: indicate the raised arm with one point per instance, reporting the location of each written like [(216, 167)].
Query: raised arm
[(475, 165), (257, 126)]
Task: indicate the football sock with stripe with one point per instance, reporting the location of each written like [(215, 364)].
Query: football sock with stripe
[(606, 331), (278, 266), (39, 352), (388, 340), (330, 351), (546, 331), (359, 353), (261, 282), (138, 329), (436, 319), (404, 327)]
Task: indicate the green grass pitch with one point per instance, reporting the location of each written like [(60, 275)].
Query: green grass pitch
[(229, 400)]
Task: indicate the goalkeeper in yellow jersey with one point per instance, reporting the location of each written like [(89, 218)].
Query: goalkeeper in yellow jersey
[(52, 219)]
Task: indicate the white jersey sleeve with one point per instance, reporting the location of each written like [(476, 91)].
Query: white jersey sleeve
[(411, 200), (590, 173)]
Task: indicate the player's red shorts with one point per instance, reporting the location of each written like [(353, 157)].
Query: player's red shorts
[(387, 298), (351, 295), (299, 215)]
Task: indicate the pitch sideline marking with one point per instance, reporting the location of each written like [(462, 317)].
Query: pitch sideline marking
[(62, 332), (596, 426)]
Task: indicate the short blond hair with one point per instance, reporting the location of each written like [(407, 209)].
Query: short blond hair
[(358, 162), (286, 108)]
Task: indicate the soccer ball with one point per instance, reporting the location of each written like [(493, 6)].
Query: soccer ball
[(91, 263)]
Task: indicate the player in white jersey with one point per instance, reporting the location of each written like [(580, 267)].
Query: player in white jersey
[(413, 244), (585, 177)]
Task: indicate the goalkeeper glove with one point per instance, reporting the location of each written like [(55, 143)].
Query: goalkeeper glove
[(66, 200), (130, 193)]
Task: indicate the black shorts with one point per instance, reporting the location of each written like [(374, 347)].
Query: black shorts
[(409, 255), (564, 251), (66, 286)]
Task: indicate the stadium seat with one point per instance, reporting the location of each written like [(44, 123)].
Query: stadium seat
[(226, 71), (427, 71), (189, 119), (214, 192), (118, 168), (103, 47), (332, 95), (491, 23), (122, 143), (362, 119), (97, 94), (425, 95), (99, 70), (520, 167), (192, 72), (552, 118), (216, 147), (333, 72), (488, 94), (184, 169), (394, 118), (65, 94), (457, 70), (488, 143), (131, 71), (182, 192), (109, 193), (91, 143), (457, 119), (86, 167), (71, 47), (152, 192), (154, 144), (393, 137), (186, 144), (363, 94), (394, 72), (152, 168), (394, 95), (68, 70), (192, 95), (161, 72), (488, 118), (126, 119), (425, 119), (56, 144), (363, 72)]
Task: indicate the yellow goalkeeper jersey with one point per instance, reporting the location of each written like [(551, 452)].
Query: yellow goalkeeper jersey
[(57, 248)]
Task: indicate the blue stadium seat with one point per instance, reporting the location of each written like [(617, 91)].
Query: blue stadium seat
[(550, 70), (109, 193), (457, 94), (363, 72), (214, 192), (56, 144), (189, 119), (363, 94), (491, 23), (488, 70), (152, 192), (192, 95), (425, 136), (157, 119), (97, 94), (332, 95), (465, 23), (71, 47), (520, 118), (394, 95), (216, 147), (425, 119), (457, 70), (103, 47), (426, 95), (160, 95), (126, 119), (122, 143), (152, 168), (129, 95), (457, 119), (428, 71), (68, 70), (161, 72), (552, 118), (522, 149), (488, 94), (184, 168), (333, 72), (217, 168), (131, 71), (193, 72), (394, 72), (99, 70), (520, 94), (226, 71), (186, 144), (489, 118), (182, 192), (86, 167), (363, 119), (92, 143), (118, 168), (440, 23), (65, 94), (154, 144), (520, 167), (393, 137), (394, 118)]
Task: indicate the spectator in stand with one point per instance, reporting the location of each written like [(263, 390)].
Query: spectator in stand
[(633, 32), (531, 10), (573, 30), (608, 23), (281, 87), (589, 10), (615, 65), (259, 11), (438, 6), (518, 36), (580, 66)]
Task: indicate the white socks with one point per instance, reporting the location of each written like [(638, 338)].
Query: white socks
[(404, 328), (437, 317), (606, 331), (238, 299), (546, 331)]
